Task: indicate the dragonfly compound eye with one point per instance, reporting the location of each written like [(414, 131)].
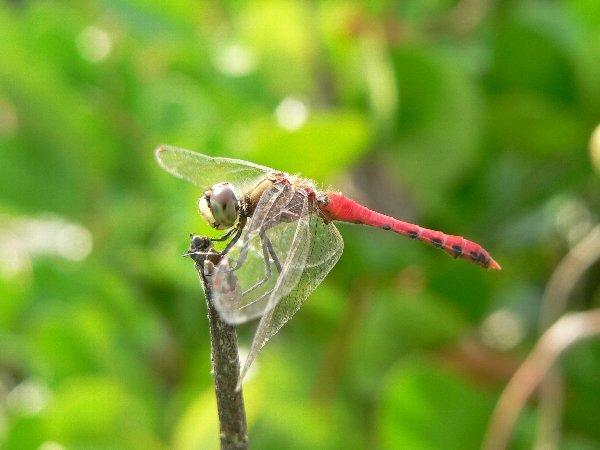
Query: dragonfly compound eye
[(219, 206)]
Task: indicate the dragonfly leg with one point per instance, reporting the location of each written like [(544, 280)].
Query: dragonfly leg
[(237, 230), (225, 236), (267, 250), (266, 294), (267, 243)]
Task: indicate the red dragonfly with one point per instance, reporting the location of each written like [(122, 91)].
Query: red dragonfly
[(281, 238)]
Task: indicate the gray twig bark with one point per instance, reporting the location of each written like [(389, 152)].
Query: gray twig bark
[(224, 353)]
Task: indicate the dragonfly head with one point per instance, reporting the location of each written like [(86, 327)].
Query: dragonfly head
[(219, 206)]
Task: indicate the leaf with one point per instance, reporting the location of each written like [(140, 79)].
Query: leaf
[(425, 407)]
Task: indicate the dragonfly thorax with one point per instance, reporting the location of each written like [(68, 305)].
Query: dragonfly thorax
[(220, 206)]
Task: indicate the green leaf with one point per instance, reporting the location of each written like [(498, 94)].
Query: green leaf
[(425, 407)]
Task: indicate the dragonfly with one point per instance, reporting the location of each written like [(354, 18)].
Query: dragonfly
[(280, 238)]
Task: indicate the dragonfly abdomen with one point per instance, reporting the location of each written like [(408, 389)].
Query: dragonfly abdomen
[(339, 207), (455, 246)]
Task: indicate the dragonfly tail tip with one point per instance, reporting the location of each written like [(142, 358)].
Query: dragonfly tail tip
[(494, 265)]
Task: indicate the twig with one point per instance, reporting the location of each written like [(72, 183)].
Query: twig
[(566, 275), (570, 329), (547, 349), (554, 303), (224, 354)]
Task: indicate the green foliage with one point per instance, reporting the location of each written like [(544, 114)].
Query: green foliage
[(477, 125), (424, 406)]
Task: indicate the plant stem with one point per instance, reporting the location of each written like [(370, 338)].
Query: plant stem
[(224, 354)]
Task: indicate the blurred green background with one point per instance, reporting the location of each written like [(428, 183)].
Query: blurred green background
[(473, 117)]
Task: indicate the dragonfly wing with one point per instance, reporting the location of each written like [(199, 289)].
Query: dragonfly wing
[(324, 248), (268, 259), (205, 171)]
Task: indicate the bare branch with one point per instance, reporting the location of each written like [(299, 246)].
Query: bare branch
[(224, 354), (537, 368), (570, 329)]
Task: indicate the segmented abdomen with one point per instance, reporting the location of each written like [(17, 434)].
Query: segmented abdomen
[(338, 207)]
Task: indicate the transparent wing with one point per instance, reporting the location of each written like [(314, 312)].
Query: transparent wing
[(324, 247), (205, 171), (269, 258)]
